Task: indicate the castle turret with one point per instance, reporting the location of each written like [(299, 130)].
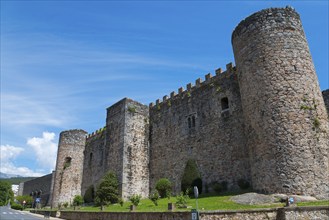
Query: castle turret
[(69, 166), (286, 120)]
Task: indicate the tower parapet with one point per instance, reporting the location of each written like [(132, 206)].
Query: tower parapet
[(285, 116)]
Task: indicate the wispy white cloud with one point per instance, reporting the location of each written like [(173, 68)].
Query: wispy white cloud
[(49, 79), (42, 47), (20, 110)]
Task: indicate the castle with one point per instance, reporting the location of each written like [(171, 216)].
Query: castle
[(263, 120)]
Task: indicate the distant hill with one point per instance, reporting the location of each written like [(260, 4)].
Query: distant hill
[(7, 176), (14, 179), (17, 180)]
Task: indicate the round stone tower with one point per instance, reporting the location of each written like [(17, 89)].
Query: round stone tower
[(285, 116), (69, 166)]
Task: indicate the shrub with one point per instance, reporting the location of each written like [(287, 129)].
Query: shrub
[(224, 185), (243, 184), (120, 201), (28, 200), (78, 200), (154, 197), (16, 206), (59, 206), (66, 204), (206, 188), (191, 177), (89, 194), (163, 186), (316, 123), (181, 199), (219, 187), (135, 199)]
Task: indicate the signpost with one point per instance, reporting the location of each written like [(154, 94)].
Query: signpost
[(195, 213), (196, 195)]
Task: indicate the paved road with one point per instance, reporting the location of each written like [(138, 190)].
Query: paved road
[(11, 214)]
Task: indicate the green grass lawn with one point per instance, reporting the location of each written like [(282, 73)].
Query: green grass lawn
[(206, 202), (315, 203)]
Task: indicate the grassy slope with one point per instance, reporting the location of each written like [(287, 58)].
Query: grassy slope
[(315, 203), (205, 203)]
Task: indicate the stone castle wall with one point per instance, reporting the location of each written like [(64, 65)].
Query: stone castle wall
[(285, 116), (290, 213), (69, 166), (42, 183), (94, 163), (203, 123)]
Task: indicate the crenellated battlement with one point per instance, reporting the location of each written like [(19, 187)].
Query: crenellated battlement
[(95, 133), (198, 83)]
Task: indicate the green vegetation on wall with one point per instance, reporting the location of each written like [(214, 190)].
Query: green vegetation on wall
[(132, 109)]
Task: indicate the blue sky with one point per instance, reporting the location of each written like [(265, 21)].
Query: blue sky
[(64, 62)]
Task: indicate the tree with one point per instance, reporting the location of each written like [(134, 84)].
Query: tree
[(6, 193), (107, 191), (78, 200), (163, 186), (191, 177), (154, 197)]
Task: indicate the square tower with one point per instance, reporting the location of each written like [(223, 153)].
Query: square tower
[(127, 148)]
